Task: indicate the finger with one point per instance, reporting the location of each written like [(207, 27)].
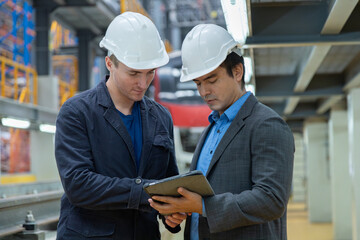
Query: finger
[(170, 223), (184, 192), (162, 199), (174, 220), (179, 216), (155, 205)]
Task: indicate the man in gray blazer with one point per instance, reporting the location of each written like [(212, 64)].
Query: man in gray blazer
[(246, 152)]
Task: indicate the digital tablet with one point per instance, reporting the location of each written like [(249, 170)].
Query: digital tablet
[(193, 181)]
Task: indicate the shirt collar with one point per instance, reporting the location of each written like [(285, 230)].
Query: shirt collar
[(231, 112)]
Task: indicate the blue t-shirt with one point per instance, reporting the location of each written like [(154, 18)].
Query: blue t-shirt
[(134, 127)]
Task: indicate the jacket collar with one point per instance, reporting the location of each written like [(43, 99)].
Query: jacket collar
[(105, 100), (148, 119), (236, 126)]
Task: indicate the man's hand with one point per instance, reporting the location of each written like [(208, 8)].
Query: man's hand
[(175, 219), (188, 202)]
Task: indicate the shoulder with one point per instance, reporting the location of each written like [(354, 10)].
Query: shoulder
[(155, 106), (262, 115), (81, 101)]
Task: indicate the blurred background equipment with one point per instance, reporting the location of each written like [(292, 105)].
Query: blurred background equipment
[(302, 58)]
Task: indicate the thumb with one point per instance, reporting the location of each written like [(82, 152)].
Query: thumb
[(184, 192)]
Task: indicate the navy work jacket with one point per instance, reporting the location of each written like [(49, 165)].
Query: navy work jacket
[(104, 196)]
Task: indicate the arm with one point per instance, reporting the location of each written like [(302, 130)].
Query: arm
[(83, 186)]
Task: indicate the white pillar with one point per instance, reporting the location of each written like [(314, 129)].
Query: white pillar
[(43, 164), (48, 92), (340, 175), (353, 100), (299, 176), (318, 175)]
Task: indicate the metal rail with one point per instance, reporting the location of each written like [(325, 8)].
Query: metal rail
[(45, 207)]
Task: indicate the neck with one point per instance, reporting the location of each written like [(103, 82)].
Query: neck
[(121, 103)]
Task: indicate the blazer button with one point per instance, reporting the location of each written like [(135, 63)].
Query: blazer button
[(138, 181)]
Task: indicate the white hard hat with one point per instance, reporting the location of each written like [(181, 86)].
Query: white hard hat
[(204, 48), (135, 41)]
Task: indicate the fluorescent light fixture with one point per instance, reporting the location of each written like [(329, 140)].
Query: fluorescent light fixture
[(250, 87), (235, 14), (15, 123), (47, 128)]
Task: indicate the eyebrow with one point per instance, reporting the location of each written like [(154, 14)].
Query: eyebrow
[(135, 71), (211, 76)]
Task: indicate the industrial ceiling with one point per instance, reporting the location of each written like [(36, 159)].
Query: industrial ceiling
[(306, 53)]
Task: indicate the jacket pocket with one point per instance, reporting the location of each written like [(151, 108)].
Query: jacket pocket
[(163, 141), (90, 226)]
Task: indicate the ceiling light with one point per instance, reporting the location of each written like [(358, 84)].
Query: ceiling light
[(15, 123), (235, 13), (47, 128)]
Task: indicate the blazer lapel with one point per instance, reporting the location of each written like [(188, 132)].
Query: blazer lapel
[(235, 127), (149, 121), (199, 148), (112, 117)]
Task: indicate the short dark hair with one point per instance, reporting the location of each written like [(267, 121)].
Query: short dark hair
[(232, 60), (114, 60)]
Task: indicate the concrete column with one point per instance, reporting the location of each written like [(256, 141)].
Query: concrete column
[(43, 164), (318, 175), (353, 100), (85, 58), (340, 175), (299, 176), (43, 60), (48, 92)]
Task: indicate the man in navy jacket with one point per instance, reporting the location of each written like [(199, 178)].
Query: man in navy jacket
[(111, 140)]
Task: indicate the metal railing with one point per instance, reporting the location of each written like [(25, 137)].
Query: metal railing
[(66, 68), (132, 5), (18, 81), (42, 198)]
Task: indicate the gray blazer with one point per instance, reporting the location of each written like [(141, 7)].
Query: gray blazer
[(251, 174)]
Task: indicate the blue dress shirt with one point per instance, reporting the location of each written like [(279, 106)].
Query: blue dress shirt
[(220, 124)]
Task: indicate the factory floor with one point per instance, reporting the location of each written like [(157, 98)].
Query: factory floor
[(299, 227)]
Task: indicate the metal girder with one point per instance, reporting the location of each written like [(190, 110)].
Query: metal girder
[(105, 10), (302, 40), (339, 13), (91, 24), (34, 113), (326, 104), (325, 92)]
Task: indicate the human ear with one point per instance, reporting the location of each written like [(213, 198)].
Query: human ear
[(108, 63), (238, 72)]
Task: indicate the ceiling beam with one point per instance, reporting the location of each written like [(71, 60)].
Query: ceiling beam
[(339, 13), (302, 40), (328, 103), (106, 10), (92, 25), (34, 113), (323, 92)]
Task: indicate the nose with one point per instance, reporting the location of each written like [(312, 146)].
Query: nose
[(142, 82), (203, 90)]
